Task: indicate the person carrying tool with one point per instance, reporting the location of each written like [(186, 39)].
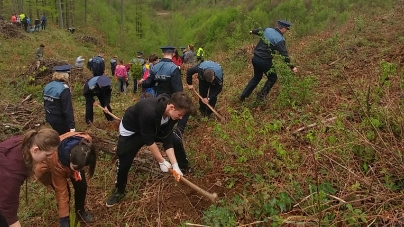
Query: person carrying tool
[(271, 41), (149, 121), (210, 76), (74, 153), (57, 100), (99, 86)]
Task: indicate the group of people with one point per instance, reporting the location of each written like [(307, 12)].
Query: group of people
[(55, 155), (25, 22)]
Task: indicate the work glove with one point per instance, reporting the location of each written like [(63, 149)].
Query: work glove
[(64, 222), (164, 166), (176, 168)]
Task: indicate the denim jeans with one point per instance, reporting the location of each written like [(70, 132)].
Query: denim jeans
[(261, 66)]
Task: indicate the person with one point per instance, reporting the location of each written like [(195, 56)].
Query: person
[(177, 59), (149, 121), (137, 69), (13, 18), (98, 65), (113, 64), (29, 21), (43, 21), (58, 101), (99, 86), (39, 55), (122, 76), (199, 54), (183, 50), (272, 40), (80, 62), (165, 77), (210, 76), (149, 92), (74, 153), (37, 23), (189, 56), (18, 155), (71, 30), (24, 22)]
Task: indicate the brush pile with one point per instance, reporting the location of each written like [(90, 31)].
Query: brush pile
[(11, 31)]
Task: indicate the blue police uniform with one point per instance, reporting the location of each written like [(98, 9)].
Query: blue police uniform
[(97, 66), (58, 104), (164, 76), (271, 41), (99, 86), (212, 88)]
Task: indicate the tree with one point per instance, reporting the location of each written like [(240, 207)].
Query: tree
[(60, 14)]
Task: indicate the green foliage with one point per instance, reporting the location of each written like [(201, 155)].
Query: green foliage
[(136, 70), (219, 216)]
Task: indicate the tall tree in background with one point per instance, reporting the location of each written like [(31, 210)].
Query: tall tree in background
[(60, 14)]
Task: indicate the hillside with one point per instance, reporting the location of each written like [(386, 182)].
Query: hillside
[(347, 170)]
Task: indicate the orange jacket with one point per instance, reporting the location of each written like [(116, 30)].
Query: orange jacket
[(51, 171)]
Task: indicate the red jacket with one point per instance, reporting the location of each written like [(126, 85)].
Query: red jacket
[(13, 172), (177, 61)]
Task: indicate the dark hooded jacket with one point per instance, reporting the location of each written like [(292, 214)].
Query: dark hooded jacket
[(145, 118), (13, 172)]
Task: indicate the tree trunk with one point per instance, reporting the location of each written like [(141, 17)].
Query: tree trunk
[(37, 10), (71, 11), (60, 14), (30, 6), (1, 5), (66, 13), (85, 11)]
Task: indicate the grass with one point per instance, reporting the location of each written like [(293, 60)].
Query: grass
[(346, 172)]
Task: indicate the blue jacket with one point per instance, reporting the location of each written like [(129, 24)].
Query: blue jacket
[(58, 101), (271, 41), (165, 77), (91, 88), (217, 84), (97, 66)]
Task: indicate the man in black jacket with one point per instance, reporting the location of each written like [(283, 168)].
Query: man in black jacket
[(149, 121), (210, 76), (271, 41), (98, 65)]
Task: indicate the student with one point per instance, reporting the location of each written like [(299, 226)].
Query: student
[(74, 153), (210, 76), (18, 155), (58, 103), (122, 76), (99, 86), (149, 121)]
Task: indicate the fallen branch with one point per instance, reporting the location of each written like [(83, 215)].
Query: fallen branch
[(190, 224), (313, 125), (26, 98), (332, 63)]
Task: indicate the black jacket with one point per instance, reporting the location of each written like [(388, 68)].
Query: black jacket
[(58, 101), (104, 93), (215, 87), (98, 66), (145, 118), (276, 41)]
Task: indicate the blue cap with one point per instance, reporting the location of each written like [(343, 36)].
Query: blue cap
[(167, 49), (62, 68), (103, 81), (285, 24)]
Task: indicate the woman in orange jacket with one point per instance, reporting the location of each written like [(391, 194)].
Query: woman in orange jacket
[(74, 153)]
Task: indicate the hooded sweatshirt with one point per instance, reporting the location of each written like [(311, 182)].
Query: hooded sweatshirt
[(13, 172)]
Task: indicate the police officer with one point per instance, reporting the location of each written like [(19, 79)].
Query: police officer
[(98, 65), (165, 77), (58, 101), (210, 76), (99, 86), (272, 40)]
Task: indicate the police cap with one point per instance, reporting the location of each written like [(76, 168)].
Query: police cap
[(167, 49), (139, 53), (285, 24), (62, 68), (103, 81), (183, 48)]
